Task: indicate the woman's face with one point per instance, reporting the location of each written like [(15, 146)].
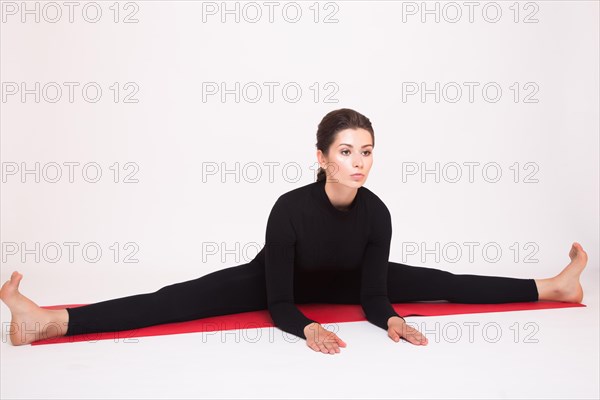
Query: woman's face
[(349, 154)]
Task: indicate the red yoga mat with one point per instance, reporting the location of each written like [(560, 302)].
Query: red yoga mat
[(322, 313)]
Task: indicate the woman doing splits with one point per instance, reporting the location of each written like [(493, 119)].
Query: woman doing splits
[(326, 242)]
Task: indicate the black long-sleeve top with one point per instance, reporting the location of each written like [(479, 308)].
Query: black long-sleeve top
[(307, 238)]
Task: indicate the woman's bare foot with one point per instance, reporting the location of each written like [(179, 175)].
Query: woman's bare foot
[(565, 286), (29, 321)]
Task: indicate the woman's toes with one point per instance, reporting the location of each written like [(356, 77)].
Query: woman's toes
[(578, 259), (10, 287), (15, 279), (574, 251)]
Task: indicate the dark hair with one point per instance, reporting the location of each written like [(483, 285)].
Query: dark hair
[(334, 122)]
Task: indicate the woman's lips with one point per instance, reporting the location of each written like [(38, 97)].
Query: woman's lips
[(357, 176)]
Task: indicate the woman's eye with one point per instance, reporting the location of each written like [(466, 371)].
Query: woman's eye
[(367, 152)]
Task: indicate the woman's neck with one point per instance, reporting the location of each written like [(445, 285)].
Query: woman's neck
[(340, 196)]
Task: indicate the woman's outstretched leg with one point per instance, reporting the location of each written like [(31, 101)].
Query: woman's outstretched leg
[(407, 283), (227, 291)]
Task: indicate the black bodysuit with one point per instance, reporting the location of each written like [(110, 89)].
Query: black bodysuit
[(313, 253), (310, 243)]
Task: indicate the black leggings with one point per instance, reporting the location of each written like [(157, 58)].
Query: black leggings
[(242, 288)]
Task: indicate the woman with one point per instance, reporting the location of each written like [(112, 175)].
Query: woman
[(326, 242)]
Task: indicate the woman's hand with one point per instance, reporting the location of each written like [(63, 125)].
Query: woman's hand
[(320, 339), (398, 328)]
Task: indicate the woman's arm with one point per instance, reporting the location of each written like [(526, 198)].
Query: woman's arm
[(374, 291), (279, 272)]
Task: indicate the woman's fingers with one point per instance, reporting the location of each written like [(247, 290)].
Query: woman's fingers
[(340, 342), (325, 341), (415, 337), (319, 346), (331, 346), (327, 348), (408, 333), (331, 343)]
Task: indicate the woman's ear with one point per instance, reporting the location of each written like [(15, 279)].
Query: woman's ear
[(320, 158)]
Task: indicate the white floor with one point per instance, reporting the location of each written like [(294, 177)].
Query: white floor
[(524, 354)]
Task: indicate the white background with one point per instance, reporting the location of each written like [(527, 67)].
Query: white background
[(171, 134)]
